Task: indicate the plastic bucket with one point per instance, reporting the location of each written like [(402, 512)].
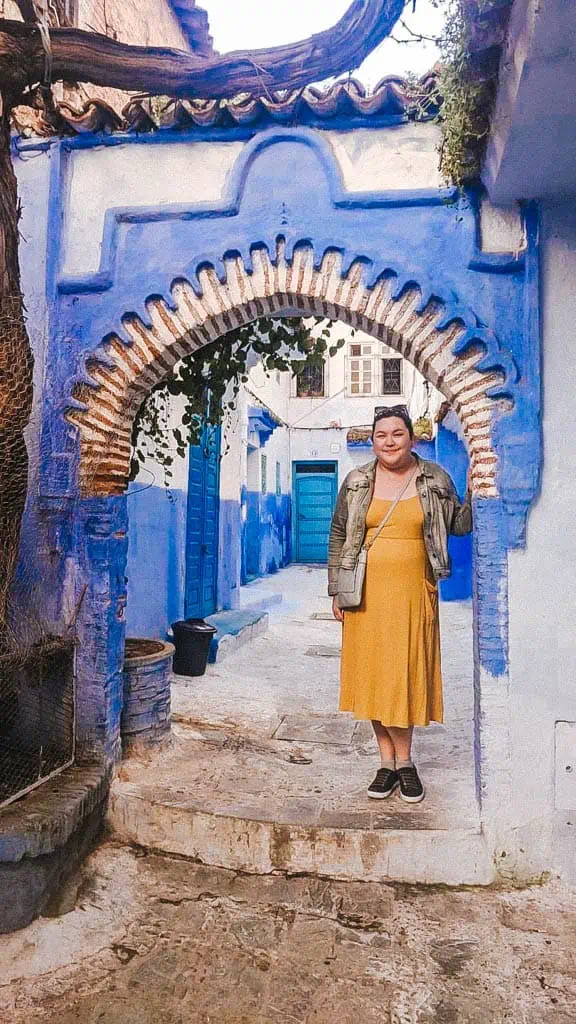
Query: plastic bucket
[(192, 642)]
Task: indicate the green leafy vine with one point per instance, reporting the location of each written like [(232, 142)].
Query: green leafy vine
[(467, 82), (209, 381)]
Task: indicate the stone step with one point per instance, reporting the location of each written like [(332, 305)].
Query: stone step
[(230, 801), (44, 837), (234, 629)]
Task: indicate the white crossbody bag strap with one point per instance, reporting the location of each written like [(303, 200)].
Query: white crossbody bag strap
[(390, 510)]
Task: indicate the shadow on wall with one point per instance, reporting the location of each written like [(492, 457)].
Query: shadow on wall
[(266, 534), (156, 559)]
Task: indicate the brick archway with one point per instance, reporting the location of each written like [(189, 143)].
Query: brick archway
[(442, 339)]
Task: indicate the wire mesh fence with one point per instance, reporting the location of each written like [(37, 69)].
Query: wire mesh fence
[(37, 716)]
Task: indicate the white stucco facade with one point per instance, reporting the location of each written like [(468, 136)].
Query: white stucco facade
[(542, 616), (404, 157), (173, 174), (180, 173)]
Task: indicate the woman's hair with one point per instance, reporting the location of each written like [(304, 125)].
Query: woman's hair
[(399, 411)]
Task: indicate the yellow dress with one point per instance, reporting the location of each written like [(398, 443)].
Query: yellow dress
[(390, 668)]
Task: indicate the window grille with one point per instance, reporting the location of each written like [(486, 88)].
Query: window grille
[(263, 474), (391, 376), (278, 480), (310, 382)]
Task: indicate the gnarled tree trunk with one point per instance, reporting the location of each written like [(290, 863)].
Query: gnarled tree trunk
[(15, 374), (79, 56)]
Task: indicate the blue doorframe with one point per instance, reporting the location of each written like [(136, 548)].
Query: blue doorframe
[(202, 525), (314, 489)]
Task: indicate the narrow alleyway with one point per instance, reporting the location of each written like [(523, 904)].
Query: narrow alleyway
[(264, 773), (145, 937), (283, 687)]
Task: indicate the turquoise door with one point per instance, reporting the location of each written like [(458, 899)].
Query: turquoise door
[(202, 526), (315, 486)]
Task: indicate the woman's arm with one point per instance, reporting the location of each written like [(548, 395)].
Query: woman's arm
[(337, 538)]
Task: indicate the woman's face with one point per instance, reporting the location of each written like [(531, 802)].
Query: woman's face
[(392, 443)]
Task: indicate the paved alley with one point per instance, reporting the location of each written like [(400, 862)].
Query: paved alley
[(159, 940), (264, 773), (145, 936)]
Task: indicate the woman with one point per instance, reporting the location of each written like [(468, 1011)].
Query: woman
[(391, 644)]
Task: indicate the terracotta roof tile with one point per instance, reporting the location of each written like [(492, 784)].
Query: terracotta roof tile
[(348, 100)]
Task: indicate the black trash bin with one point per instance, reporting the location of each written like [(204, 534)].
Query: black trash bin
[(192, 642)]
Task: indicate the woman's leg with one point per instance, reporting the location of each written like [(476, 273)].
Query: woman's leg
[(385, 744), (401, 740), (411, 788)]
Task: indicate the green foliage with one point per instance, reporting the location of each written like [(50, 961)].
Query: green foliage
[(467, 93), (209, 381)]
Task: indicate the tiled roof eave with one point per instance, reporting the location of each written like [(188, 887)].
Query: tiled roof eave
[(343, 104)]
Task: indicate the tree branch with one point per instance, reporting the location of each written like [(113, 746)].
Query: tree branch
[(79, 56), (418, 37)]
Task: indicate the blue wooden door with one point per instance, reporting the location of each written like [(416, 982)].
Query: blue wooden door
[(315, 486), (202, 525)]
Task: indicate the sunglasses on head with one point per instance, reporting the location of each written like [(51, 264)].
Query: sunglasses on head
[(390, 410)]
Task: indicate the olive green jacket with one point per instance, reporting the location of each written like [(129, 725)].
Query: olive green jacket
[(443, 514)]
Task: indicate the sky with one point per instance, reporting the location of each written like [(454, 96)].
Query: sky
[(251, 24)]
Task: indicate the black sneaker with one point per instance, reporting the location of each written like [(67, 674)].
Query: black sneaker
[(411, 789), (384, 784)]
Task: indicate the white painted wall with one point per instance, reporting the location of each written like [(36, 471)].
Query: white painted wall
[(33, 187), (530, 151), (152, 472), (542, 602), (404, 157), (272, 392), (327, 445), (501, 228), (351, 410), (318, 426), (142, 176)]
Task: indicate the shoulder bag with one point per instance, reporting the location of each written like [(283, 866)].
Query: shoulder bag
[(351, 581)]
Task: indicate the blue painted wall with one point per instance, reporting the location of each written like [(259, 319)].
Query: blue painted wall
[(285, 183), (156, 559), (229, 559), (251, 536), (266, 534), (427, 449), (451, 454), (275, 535)]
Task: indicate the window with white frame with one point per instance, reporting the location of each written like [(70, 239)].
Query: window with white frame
[(362, 362), (368, 373)]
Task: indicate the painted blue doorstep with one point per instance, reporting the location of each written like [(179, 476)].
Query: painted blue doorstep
[(232, 623)]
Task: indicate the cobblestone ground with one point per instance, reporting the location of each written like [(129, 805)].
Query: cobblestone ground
[(149, 939), (158, 940)]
